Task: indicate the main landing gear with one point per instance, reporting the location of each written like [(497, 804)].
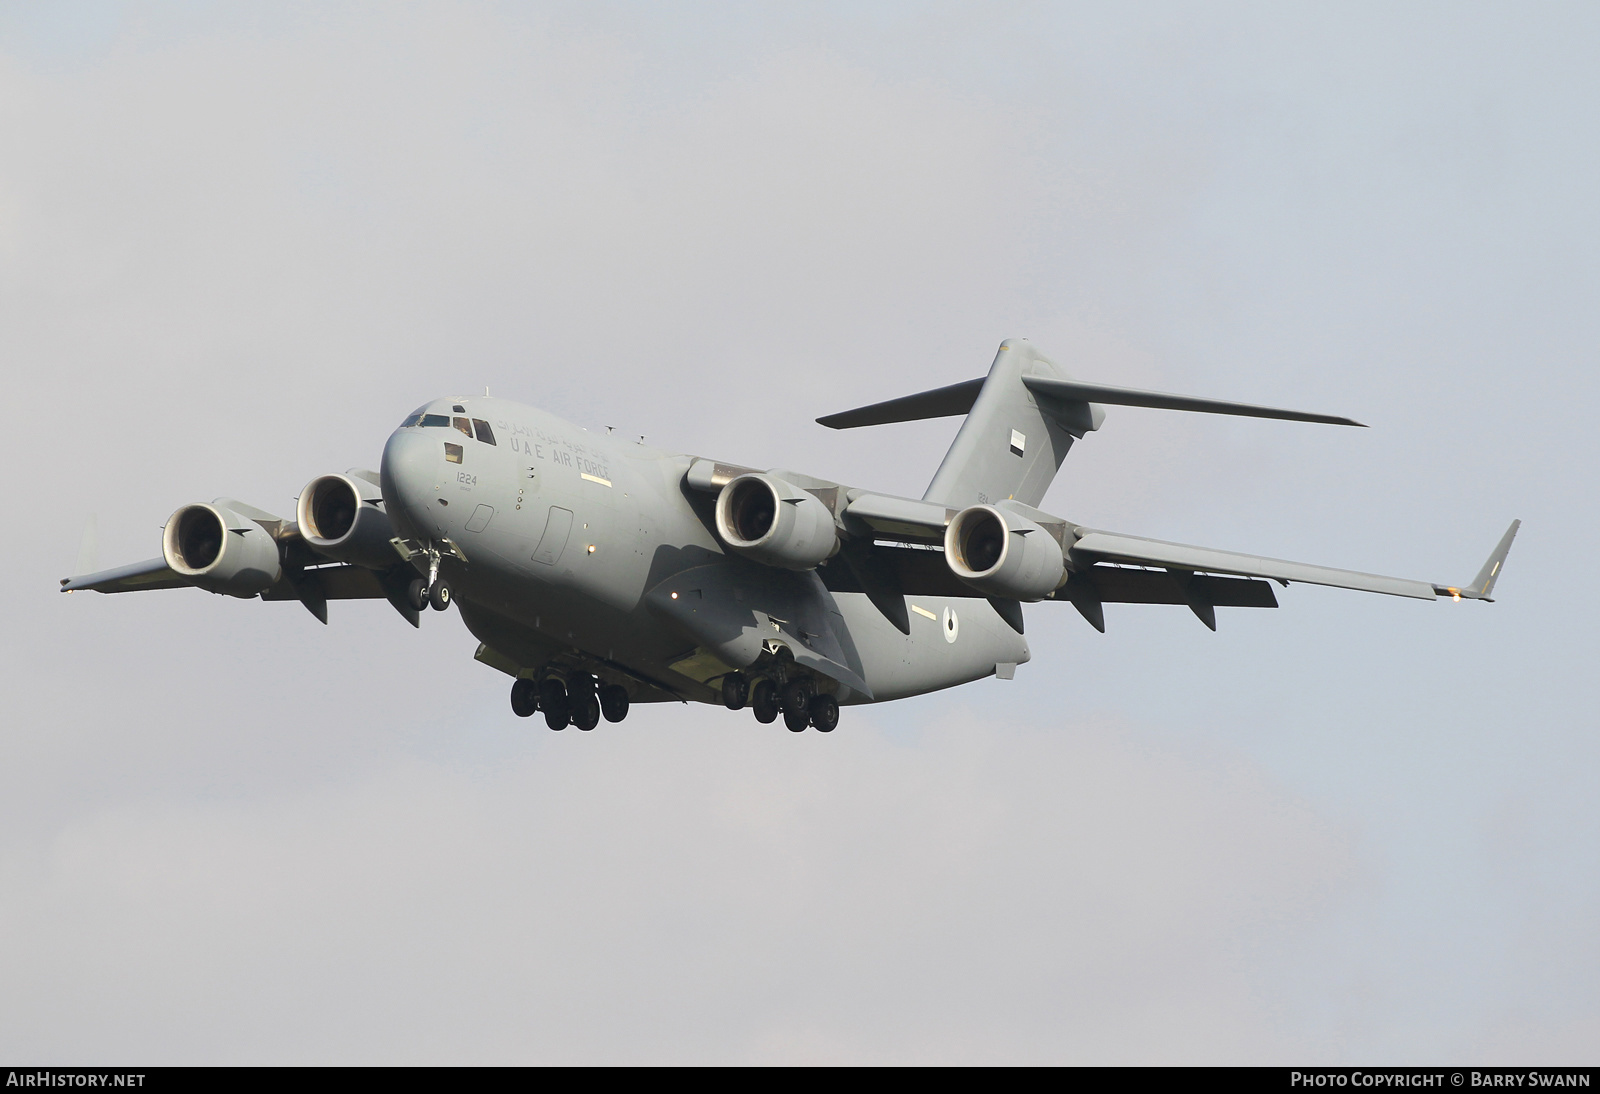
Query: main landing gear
[(580, 700), (794, 701)]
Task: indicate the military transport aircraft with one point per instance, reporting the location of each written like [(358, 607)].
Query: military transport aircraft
[(598, 573)]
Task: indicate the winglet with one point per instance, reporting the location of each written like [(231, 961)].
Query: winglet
[(1483, 584)]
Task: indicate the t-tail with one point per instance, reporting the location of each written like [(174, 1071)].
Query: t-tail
[(1021, 421)]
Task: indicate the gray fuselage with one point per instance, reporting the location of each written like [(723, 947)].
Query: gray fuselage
[(573, 543)]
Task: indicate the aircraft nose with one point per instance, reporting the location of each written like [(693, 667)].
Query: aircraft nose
[(410, 475)]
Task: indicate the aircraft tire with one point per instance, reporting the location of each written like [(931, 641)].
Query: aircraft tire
[(614, 702), (764, 701), (439, 596), (796, 706), (586, 711), (824, 713), (553, 701), (417, 595), (735, 690), (524, 698)]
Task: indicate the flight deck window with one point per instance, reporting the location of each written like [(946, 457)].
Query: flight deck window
[(463, 425), (415, 419), (452, 452), (430, 421), (485, 434)]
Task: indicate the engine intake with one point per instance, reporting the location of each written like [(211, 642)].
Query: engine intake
[(775, 523), (1003, 555), (340, 517), (221, 551)]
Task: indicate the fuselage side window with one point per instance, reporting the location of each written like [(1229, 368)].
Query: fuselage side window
[(452, 452), (430, 421), (485, 434), (463, 425)]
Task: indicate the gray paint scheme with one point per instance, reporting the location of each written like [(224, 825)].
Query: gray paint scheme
[(569, 552)]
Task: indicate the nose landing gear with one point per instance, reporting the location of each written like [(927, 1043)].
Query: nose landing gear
[(430, 591)]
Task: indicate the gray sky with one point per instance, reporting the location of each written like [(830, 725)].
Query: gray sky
[(236, 247)]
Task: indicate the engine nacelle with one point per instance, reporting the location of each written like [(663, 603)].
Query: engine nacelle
[(340, 517), (1003, 555), (775, 523), (221, 551)]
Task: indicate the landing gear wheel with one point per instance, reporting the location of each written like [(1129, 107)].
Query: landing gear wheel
[(735, 690), (586, 711), (764, 701), (524, 698), (824, 713), (553, 701), (439, 596), (796, 706), (417, 595), (614, 702)]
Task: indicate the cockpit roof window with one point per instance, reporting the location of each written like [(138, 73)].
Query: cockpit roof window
[(485, 434)]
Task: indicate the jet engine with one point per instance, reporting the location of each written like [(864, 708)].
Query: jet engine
[(1003, 555), (221, 551), (341, 516), (775, 523)]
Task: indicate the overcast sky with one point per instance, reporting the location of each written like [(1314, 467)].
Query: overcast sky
[(238, 244)]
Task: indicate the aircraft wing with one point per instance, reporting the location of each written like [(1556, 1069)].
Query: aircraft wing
[(151, 574), (1095, 546), (1104, 567)]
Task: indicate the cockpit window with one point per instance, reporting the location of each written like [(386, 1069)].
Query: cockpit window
[(463, 425), (485, 434), (415, 419), (430, 421), (452, 452)]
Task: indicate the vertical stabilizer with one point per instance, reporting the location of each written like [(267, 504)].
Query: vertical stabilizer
[(1013, 441)]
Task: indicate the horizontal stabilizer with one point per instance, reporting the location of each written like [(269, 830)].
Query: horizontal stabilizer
[(1072, 390), (943, 402)]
